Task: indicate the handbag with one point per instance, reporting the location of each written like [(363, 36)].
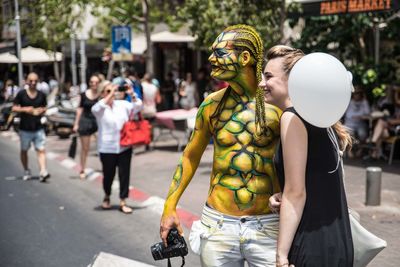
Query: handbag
[(72, 147), (366, 245), (136, 132)]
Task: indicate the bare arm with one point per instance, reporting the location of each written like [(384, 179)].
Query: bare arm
[(185, 170), (294, 145), (78, 115), (19, 109)]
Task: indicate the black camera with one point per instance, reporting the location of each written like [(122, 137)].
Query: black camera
[(122, 88), (176, 247)]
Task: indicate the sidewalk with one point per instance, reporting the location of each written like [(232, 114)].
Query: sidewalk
[(152, 172)]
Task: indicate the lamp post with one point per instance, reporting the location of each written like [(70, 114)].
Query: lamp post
[(18, 37), (73, 60)]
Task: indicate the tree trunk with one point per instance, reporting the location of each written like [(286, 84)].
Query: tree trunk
[(282, 22), (55, 66), (62, 78), (149, 53)]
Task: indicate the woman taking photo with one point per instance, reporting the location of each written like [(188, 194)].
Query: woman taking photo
[(314, 227), (85, 123), (111, 116)]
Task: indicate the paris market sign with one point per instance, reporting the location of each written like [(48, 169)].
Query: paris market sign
[(347, 6)]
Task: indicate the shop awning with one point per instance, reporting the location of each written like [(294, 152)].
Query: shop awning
[(31, 55), (170, 37), (139, 46)]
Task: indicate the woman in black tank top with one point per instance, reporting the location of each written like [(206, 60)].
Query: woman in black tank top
[(85, 123), (314, 228)]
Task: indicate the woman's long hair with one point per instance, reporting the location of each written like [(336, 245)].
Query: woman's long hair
[(290, 57)]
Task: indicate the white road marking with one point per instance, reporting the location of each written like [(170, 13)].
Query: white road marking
[(104, 259)]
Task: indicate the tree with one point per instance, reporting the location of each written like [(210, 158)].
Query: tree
[(141, 15), (207, 18), (50, 23), (350, 37)]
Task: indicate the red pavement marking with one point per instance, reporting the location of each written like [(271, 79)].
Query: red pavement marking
[(60, 157), (138, 195), (77, 168), (186, 217)]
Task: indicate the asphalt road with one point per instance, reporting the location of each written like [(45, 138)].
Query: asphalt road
[(59, 223)]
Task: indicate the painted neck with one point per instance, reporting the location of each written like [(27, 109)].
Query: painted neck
[(245, 83)]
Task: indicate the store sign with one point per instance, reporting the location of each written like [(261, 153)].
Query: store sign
[(121, 43), (348, 6)]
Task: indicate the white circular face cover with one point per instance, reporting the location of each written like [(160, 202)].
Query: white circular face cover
[(320, 89)]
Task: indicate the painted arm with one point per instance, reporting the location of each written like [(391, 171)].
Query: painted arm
[(185, 170), (294, 146)]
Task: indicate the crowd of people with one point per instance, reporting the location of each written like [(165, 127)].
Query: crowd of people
[(271, 201), (371, 128)]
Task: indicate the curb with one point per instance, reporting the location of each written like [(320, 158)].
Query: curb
[(186, 217)]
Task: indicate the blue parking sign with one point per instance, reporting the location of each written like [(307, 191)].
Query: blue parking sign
[(121, 40)]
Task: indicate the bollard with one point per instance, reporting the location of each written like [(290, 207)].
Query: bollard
[(373, 188)]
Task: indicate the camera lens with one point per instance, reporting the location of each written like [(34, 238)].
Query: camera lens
[(156, 251)]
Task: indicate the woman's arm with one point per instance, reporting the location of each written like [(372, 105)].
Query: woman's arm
[(78, 115), (294, 146)]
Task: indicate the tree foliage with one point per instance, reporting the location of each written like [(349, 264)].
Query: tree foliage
[(351, 38), (50, 23), (207, 18), (121, 12)]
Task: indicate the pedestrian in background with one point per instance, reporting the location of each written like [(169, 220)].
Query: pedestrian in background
[(188, 93), (31, 105), (202, 84), (11, 90), (111, 115), (168, 89), (354, 118), (151, 97), (2, 93), (85, 123), (386, 125)]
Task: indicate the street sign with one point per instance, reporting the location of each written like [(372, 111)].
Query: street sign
[(121, 43)]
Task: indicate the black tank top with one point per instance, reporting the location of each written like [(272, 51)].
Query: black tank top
[(323, 237)]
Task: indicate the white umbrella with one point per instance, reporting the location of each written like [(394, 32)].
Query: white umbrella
[(31, 55), (8, 58)]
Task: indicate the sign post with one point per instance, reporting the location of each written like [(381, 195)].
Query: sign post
[(121, 43)]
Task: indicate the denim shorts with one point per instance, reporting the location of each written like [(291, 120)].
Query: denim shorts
[(38, 138), (229, 241)]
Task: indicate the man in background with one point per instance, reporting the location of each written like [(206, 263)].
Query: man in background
[(31, 105)]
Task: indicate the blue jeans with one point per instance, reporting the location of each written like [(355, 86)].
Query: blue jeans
[(229, 241), (38, 138)]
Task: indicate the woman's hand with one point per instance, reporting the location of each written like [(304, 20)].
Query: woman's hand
[(283, 262), (275, 202), (75, 128)]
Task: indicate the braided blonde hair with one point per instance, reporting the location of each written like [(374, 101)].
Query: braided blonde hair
[(248, 39)]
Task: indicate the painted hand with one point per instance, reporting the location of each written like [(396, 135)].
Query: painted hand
[(168, 221)]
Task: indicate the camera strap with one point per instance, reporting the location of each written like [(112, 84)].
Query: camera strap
[(183, 262)]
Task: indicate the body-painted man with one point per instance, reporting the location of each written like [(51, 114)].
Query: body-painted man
[(236, 223)]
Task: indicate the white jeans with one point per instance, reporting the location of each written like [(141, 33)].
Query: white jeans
[(229, 241)]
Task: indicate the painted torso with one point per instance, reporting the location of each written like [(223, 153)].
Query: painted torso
[(242, 177)]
